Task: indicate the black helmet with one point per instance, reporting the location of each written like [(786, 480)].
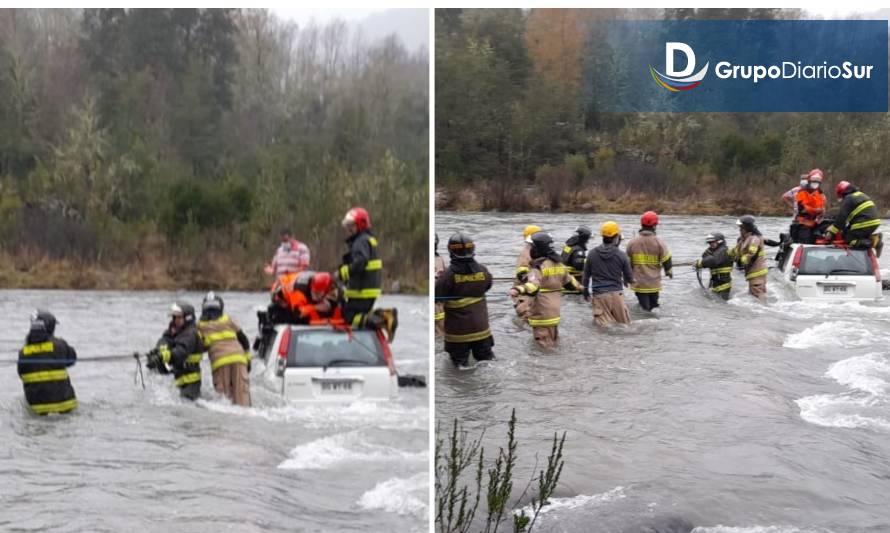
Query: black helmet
[(583, 233), (212, 301), (461, 246), (747, 222), (184, 309), (715, 237), (542, 244), (43, 320)]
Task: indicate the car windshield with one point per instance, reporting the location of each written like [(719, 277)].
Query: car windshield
[(835, 261), (324, 347)]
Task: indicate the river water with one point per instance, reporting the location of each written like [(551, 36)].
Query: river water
[(143, 460), (734, 418)]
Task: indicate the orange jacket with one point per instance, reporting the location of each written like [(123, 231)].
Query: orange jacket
[(811, 207)]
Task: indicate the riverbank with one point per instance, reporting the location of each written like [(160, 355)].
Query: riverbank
[(613, 199), (28, 270)]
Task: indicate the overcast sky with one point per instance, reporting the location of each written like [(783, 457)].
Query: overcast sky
[(411, 25)]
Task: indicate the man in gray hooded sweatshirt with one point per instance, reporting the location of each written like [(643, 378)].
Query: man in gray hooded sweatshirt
[(606, 272)]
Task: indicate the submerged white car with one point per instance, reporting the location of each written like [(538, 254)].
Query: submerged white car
[(323, 363), (826, 273)]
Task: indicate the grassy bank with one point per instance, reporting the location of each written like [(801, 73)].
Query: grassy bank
[(615, 199), (32, 270)]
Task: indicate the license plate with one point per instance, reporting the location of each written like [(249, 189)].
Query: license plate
[(834, 289), (336, 387)]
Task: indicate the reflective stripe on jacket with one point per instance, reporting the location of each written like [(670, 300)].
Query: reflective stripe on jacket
[(361, 267), (545, 282), (648, 255), (750, 253), (42, 367), (720, 264), (463, 286), (857, 212), (221, 342)]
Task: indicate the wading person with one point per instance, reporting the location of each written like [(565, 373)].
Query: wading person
[(291, 256), (361, 272), (810, 207), (648, 255), (42, 367), (751, 256), (606, 272), (462, 288), (440, 306), (857, 218), (716, 258), (574, 253), (181, 348), (522, 303), (546, 280), (228, 349)]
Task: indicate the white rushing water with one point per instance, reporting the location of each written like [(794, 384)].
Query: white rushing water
[(737, 418), (144, 460)]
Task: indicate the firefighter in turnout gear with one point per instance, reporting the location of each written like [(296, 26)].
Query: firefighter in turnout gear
[(648, 255), (361, 272), (716, 258), (750, 255), (606, 272), (546, 280), (440, 306), (181, 348), (522, 303), (574, 253), (462, 288), (42, 367), (228, 349), (857, 220)]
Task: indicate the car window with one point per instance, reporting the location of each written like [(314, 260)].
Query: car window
[(839, 261), (334, 348)]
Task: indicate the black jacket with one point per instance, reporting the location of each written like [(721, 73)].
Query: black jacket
[(721, 267), (574, 255), (183, 351), (866, 217), (607, 269), (462, 288), (361, 267), (42, 367)]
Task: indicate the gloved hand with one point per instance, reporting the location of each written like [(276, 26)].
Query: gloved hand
[(696, 265), (153, 359), (671, 274), (586, 293)]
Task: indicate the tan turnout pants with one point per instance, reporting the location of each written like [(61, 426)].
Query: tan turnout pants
[(610, 309), (546, 336), (757, 288), (233, 381)]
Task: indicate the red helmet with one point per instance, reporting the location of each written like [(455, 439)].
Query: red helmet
[(815, 175), (841, 188), (649, 219), (359, 217), (321, 283)]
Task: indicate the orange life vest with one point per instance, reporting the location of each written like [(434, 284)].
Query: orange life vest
[(812, 207)]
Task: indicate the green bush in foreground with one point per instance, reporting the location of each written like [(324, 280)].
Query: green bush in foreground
[(457, 503)]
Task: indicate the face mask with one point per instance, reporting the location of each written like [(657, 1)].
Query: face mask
[(803, 183), (814, 185)]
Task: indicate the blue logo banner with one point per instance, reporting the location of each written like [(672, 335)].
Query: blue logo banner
[(737, 66)]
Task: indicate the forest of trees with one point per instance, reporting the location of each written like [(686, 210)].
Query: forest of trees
[(167, 147), (513, 119)]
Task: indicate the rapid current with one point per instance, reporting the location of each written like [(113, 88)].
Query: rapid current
[(708, 416), (130, 459)]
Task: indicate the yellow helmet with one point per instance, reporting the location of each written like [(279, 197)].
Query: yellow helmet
[(610, 229), (530, 230)]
